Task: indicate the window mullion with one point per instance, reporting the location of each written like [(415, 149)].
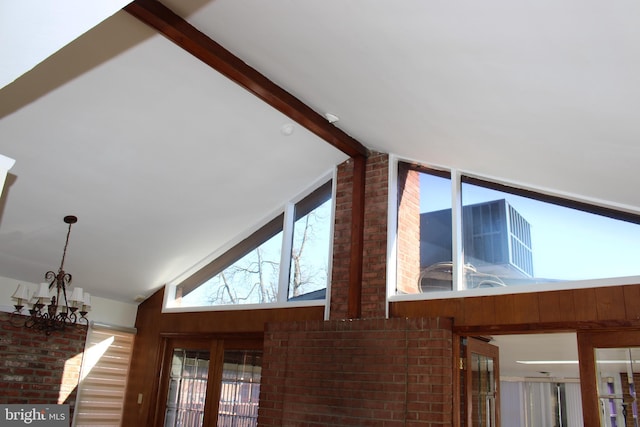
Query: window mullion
[(457, 250), (285, 256)]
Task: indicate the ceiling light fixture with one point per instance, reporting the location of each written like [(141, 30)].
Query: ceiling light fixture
[(331, 118), (48, 314), (287, 129)]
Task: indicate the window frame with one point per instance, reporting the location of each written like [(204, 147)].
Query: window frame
[(296, 211), (216, 345), (238, 248), (458, 177)]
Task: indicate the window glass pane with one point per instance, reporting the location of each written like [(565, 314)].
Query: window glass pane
[(512, 240), (251, 271), (435, 233), (483, 392), (510, 237), (187, 388), (240, 388), (618, 370), (310, 254), (253, 279)]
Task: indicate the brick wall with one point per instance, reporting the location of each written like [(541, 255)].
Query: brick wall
[(369, 372), (374, 276), (408, 245), (39, 369), (629, 421), (341, 241)]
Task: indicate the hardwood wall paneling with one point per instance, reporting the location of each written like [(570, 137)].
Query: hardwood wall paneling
[(153, 326), (449, 308), (610, 303), (632, 302), (584, 304), (549, 310), (145, 363), (234, 321), (556, 306), (403, 309), (517, 309), (478, 311)]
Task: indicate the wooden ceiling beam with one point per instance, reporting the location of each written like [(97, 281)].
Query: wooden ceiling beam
[(178, 30)]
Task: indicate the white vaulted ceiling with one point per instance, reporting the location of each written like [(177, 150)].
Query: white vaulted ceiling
[(165, 161)]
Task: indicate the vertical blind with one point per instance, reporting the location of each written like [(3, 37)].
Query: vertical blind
[(103, 377), (538, 404)]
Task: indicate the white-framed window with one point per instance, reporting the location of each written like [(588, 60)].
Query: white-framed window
[(478, 236), (284, 262)]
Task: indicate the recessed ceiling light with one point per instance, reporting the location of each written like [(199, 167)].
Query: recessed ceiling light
[(287, 129)]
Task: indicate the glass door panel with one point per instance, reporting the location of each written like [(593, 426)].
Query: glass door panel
[(240, 388), (482, 390), (187, 391), (208, 382), (480, 383), (617, 371)]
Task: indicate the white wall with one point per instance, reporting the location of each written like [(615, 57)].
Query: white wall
[(103, 310)]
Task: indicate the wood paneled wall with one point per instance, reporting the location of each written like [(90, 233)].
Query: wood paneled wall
[(612, 306), (153, 326)]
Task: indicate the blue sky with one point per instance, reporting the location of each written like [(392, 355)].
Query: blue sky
[(567, 244)]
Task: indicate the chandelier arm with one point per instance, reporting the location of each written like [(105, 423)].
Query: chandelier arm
[(71, 318), (82, 321), (50, 276)]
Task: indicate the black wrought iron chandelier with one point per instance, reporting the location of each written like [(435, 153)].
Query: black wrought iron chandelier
[(51, 308)]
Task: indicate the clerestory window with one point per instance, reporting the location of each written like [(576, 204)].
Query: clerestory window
[(474, 234), (286, 260)]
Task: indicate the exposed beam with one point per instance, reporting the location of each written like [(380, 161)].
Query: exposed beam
[(354, 298), (176, 29)]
